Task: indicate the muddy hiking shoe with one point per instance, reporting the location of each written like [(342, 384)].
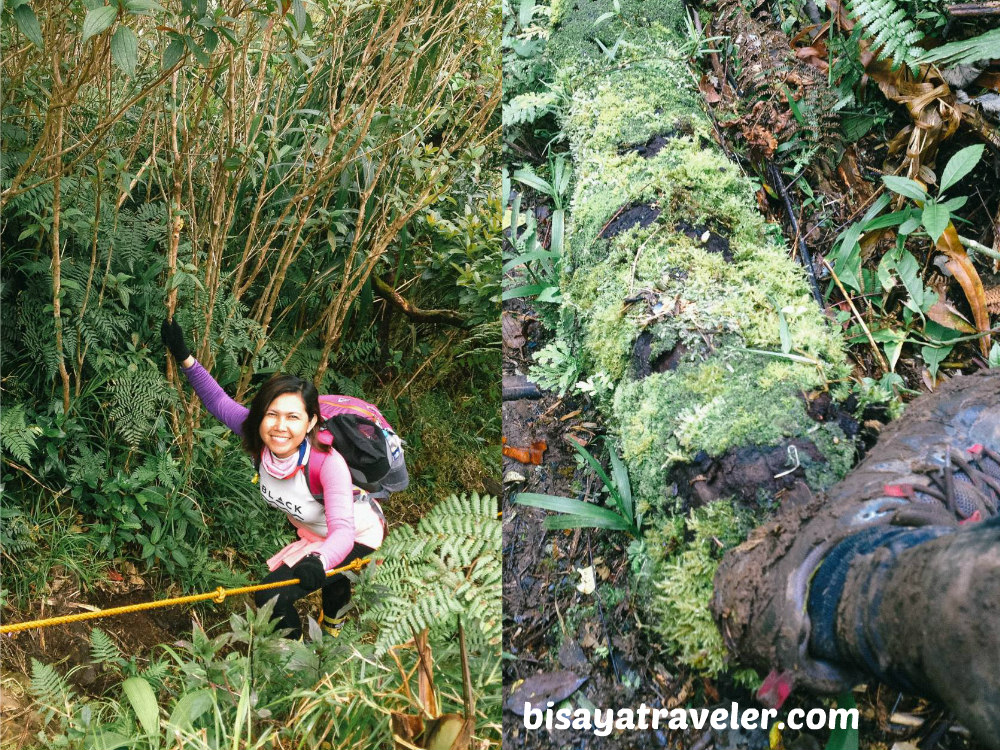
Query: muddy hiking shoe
[(892, 574)]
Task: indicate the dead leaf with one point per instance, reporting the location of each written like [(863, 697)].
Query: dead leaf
[(968, 278), (448, 732), (944, 313), (931, 104), (512, 327), (708, 90), (542, 688), (532, 455)]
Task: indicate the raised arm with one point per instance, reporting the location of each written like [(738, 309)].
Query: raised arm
[(215, 399), (231, 413)]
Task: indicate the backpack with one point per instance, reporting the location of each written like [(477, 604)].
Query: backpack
[(361, 435)]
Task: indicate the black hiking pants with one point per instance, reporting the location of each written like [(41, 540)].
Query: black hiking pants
[(336, 593)]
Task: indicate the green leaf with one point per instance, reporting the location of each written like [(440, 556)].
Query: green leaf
[(783, 331), (909, 273), (199, 54), (104, 739), (599, 470), (953, 204), (935, 219), (125, 50), (875, 209), (892, 342), (847, 264), (173, 54), (550, 294), (520, 260), (525, 13), (532, 180), (26, 21), (190, 708), (884, 272), (622, 484), (905, 186), (143, 701), (558, 231), (960, 165), (143, 6), (844, 737), (581, 513), (527, 290), (299, 13), (889, 220), (934, 356), (98, 21)]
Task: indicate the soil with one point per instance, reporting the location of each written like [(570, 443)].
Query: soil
[(553, 631)]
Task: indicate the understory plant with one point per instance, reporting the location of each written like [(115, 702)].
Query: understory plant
[(575, 514), (246, 686), (925, 319)]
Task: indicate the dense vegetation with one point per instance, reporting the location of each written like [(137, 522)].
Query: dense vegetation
[(308, 189)]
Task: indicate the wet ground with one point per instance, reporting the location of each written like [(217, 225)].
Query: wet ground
[(591, 648)]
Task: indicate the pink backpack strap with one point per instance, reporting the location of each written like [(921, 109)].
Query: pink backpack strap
[(314, 465)]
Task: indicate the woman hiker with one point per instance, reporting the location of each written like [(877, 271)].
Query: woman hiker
[(280, 432)]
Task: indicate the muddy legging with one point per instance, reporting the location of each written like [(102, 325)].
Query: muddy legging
[(336, 593)]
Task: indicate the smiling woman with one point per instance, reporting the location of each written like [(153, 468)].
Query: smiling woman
[(306, 479)]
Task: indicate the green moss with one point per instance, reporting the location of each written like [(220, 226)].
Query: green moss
[(717, 295), (679, 587), (639, 24)]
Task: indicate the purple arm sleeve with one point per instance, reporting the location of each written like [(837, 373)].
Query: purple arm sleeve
[(216, 400), (338, 503)]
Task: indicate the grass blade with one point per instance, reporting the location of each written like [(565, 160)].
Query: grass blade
[(578, 512)]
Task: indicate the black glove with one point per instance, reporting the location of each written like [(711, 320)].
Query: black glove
[(173, 339), (310, 572)]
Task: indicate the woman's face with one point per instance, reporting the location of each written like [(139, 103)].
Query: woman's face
[(285, 425)]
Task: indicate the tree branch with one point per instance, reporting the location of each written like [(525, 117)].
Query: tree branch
[(445, 317)]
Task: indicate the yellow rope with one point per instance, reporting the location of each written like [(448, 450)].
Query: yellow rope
[(218, 596)]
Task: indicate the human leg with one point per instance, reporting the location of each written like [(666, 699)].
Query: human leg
[(337, 590), (284, 607)]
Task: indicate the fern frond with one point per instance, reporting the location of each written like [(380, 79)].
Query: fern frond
[(103, 650), (16, 436), (529, 107), (448, 566), (966, 52), (48, 687), (891, 32)]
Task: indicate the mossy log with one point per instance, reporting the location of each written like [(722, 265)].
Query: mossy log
[(689, 302)]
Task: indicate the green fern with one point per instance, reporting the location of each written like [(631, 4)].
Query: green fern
[(448, 566), (891, 32), (965, 52), (16, 436), (529, 107), (136, 397), (15, 531), (48, 687), (103, 650)]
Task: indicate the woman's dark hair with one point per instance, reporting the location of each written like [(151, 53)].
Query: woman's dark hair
[(278, 385)]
